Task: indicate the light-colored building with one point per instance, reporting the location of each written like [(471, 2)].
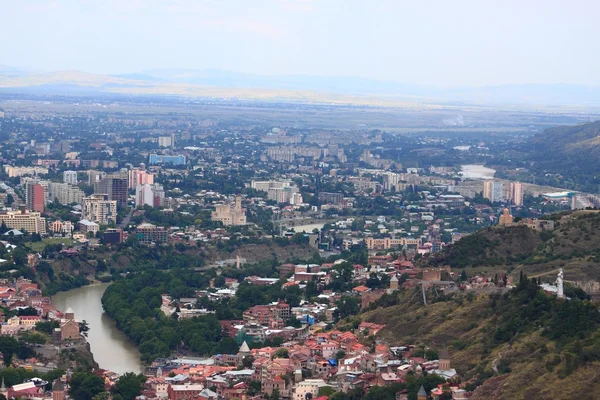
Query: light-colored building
[(388, 243), (515, 193), (264, 186), (166, 141), (312, 386), (493, 191), (65, 193), (95, 176), (24, 220), (20, 171), (282, 195), (87, 226), (151, 195), (140, 177), (70, 177), (230, 214), (99, 209)]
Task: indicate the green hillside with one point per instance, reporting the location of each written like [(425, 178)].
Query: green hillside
[(565, 156), (520, 345), (572, 245)]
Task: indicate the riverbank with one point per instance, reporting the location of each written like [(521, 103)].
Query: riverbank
[(112, 350)]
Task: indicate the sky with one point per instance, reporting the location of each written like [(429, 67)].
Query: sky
[(450, 43)]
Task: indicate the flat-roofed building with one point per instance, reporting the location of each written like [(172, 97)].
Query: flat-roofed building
[(24, 220), (98, 208)]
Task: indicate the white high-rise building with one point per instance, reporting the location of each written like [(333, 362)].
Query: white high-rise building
[(151, 195), (70, 177)]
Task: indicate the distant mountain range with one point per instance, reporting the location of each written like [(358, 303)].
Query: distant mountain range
[(218, 83)]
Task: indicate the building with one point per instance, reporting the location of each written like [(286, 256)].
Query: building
[(98, 208), (285, 194), (151, 234), (272, 315), (166, 141), (20, 171), (65, 193), (264, 186), (159, 159), (388, 243), (308, 389), (230, 214), (515, 193), (69, 326), (58, 390), (86, 226), (70, 177), (24, 220), (506, 219), (140, 177), (493, 191), (115, 186), (185, 391), (151, 195), (331, 198), (35, 198), (95, 177), (113, 236)]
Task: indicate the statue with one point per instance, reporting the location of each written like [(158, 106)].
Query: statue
[(559, 284)]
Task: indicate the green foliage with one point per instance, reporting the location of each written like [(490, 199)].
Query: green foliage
[(129, 386), (135, 305), (84, 386), (46, 327)]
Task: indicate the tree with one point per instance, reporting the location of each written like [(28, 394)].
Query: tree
[(254, 387), (84, 386), (84, 327), (129, 386), (8, 346), (326, 391), (282, 352)]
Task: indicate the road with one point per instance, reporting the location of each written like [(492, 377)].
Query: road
[(127, 218)]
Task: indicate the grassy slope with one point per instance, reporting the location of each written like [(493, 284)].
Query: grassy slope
[(573, 246), (465, 328)]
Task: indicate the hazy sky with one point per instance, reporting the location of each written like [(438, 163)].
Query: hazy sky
[(447, 42)]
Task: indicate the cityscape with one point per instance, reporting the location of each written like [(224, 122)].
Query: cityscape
[(283, 232)]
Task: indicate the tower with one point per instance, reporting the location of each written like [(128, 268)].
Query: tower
[(421, 394), (394, 283), (58, 390), (444, 360), (244, 349), (69, 314)]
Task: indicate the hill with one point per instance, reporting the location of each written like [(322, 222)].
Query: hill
[(495, 246), (563, 157), (572, 245), (522, 344), (326, 89)]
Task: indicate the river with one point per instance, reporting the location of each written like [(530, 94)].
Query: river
[(475, 171), (111, 348)]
